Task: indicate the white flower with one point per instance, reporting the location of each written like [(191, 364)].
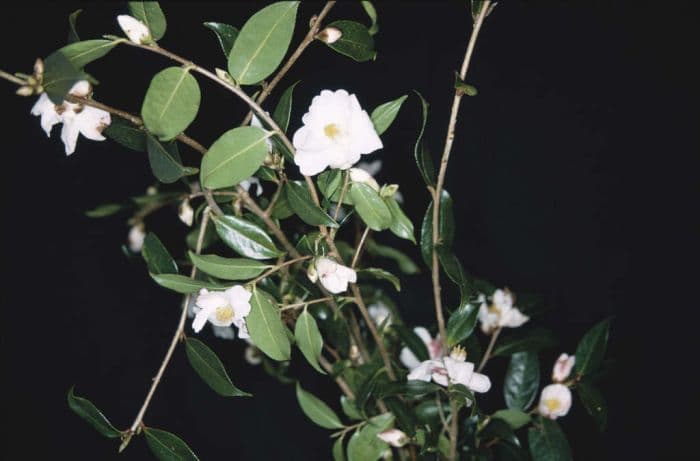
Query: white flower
[(433, 345), (223, 309), (330, 35), (250, 182), (555, 401), (394, 437), (185, 212), (137, 31), (379, 313), (501, 312), (453, 369), (361, 176), (562, 367), (333, 276), (76, 118), (137, 234), (335, 134)]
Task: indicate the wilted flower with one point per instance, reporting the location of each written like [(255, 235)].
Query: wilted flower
[(333, 276), (453, 369), (361, 176), (137, 234), (223, 308), (562, 367), (137, 31), (433, 345), (336, 133), (185, 212), (394, 437), (501, 312), (555, 401)]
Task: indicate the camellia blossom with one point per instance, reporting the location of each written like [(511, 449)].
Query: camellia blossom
[(501, 312), (433, 345), (562, 367), (333, 276), (137, 31), (335, 134), (394, 437), (76, 118), (223, 309), (452, 369), (555, 401), (137, 235)]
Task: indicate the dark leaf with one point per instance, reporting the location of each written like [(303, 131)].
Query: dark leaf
[(86, 410)]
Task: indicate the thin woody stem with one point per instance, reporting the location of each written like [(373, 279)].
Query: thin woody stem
[(360, 246), (305, 303), (11, 78), (489, 349), (278, 267)]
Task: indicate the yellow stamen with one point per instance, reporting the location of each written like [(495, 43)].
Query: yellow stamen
[(224, 313), (552, 404), (331, 130)]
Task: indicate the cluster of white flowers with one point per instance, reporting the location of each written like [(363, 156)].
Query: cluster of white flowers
[(555, 400), (500, 313), (333, 276), (76, 118), (223, 309), (452, 369)]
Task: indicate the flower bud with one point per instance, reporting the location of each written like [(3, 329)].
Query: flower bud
[(25, 91), (225, 76), (562, 367), (361, 176), (185, 212), (394, 437), (389, 190), (137, 235), (151, 190), (253, 355), (330, 35), (137, 31), (38, 69), (311, 273)]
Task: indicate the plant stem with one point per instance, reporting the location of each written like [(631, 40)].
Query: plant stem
[(278, 267), (358, 251), (343, 191), (489, 349), (11, 78), (305, 303)]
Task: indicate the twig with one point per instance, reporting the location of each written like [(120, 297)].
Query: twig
[(358, 251), (489, 349), (338, 205), (11, 78), (339, 381), (278, 267), (305, 303)]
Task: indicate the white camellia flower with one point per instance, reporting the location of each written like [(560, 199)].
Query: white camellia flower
[(555, 401), (76, 118), (137, 235), (335, 134), (379, 313), (333, 276), (433, 345), (453, 369), (361, 176), (186, 213), (137, 31), (394, 437), (501, 312), (223, 309), (562, 367)]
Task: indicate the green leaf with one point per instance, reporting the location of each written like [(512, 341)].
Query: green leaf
[(454, 270), (401, 226), (282, 210), (89, 412), (514, 417), (383, 116), (534, 340), (420, 152), (548, 442), (381, 274), (262, 43), (72, 30), (82, 53), (309, 339), (372, 13), (412, 341), (591, 349), (150, 14), (101, 211), (461, 324), (364, 444), (317, 410), (330, 183), (157, 257), (59, 76), (164, 160), (370, 206), (522, 380), (594, 403), (235, 156), (171, 102), (183, 284), (338, 453), (405, 263), (300, 201), (245, 237), (349, 408), (210, 369), (265, 326), (413, 388), (355, 41), (228, 268), (126, 134), (225, 33), (446, 228), (166, 446), (283, 109)]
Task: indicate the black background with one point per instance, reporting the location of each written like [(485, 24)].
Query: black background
[(574, 174)]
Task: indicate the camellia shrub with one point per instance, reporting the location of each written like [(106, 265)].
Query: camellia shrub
[(290, 239)]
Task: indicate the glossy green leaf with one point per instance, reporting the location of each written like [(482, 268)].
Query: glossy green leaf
[(412, 388), (330, 183), (317, 410), (383, 116), (282, 210), (171, 102), (454, 270), (89, 412), (309, 339), (522, 380), (225, 33), (446, 228), (150, 13), (372, 13), (168, 447), (400, 226), (548, 442), (283, 109), (533, 340), (262, 43), (355, 41), (420, 152), (183, 284), (107, 209), (228, 268), (246, 238), (164, 159), (59, 76), (364, 445), (594, 403), (461, 324), (514, 417), (412, 341), (157, 257), (462, 393), (381, 274), (349, 408), (405, 263), (591, 349), (72, 28), (265, 326), (126, 134), (338, 452), (300, 201), (82, 53), (210, 369), (370, 206), (235, 156)]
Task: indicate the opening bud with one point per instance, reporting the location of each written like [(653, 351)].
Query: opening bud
[(330, 35)]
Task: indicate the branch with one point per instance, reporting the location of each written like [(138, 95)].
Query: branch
[(489, 349)]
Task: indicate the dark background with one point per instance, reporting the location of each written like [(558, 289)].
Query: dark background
[(574, 174)]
